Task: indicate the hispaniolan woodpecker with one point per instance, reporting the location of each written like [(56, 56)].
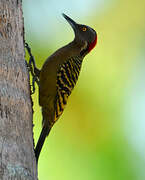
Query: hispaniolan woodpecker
[(59, 75)]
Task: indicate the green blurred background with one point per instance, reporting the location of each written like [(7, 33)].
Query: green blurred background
[(101, 134)]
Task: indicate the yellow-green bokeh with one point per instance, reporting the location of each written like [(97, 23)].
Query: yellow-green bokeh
[(98, 137)]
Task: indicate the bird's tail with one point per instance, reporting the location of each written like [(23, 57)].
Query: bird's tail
[(44, 133)]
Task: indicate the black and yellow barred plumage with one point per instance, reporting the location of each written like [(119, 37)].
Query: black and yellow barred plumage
[(67, 77)]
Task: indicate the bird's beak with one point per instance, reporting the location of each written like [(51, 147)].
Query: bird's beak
[(70, 21)]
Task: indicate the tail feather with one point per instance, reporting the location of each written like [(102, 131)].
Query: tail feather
[(44, 133)]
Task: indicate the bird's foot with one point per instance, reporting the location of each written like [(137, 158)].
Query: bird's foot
[(35, 72)]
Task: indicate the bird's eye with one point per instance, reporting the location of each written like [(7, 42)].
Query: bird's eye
[(84, 29)]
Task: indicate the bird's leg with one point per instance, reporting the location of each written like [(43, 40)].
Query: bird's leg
[(35, 72), (32, 61)]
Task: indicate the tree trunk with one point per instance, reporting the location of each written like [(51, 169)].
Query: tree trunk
[(17, 160)]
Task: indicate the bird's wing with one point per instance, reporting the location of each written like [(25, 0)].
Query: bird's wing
[(67, 77)]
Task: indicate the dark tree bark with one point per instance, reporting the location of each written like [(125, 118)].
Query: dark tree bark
[(17, 160)]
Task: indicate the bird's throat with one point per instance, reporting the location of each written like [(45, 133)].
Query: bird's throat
[(92, 45), (89, 47)]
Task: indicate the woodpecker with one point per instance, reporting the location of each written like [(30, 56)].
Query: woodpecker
[(59, 75)]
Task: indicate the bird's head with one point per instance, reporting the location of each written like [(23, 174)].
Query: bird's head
[(83, 34)]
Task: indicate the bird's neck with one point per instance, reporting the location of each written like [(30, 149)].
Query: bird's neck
[(73, 49), (80, 48)]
